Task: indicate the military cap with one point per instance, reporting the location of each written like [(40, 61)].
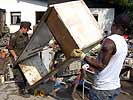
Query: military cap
[(25, 24)]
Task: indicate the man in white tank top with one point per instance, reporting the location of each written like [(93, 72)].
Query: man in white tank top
[(109, 62)]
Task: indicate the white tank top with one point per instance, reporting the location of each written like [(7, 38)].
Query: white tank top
[(108, 78)]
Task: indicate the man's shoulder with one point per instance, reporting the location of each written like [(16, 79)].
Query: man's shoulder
[(16, 32), (13, 35)]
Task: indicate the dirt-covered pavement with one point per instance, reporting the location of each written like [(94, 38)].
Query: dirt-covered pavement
[(9, 91)]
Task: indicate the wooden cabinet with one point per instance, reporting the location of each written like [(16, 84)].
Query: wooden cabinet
[(73, 26)]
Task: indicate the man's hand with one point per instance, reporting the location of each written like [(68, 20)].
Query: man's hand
[(78, 53), (15, 58)]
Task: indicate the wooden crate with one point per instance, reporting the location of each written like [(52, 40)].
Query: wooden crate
[(73, 26)]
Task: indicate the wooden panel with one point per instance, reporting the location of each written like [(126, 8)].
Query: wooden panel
[(61, 33), (73, 26), (33, 68), (80, 22)]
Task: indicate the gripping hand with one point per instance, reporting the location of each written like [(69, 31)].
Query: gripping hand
[(15, 58), (78, 53)]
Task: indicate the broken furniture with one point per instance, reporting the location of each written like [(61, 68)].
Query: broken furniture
[(72, 25)]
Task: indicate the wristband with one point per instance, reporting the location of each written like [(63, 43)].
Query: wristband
[(85, 66)]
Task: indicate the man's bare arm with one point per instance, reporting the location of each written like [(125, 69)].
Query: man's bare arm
[(108, 49), (13, 54)]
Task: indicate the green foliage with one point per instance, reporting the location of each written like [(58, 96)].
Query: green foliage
[(130, 5), (122, 2), (131, 24), (125, 3)]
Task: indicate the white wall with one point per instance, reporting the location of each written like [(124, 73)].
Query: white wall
[(27, 9), (105, 17)]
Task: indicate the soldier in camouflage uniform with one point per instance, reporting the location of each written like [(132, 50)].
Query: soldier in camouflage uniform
[(17, 43), (19, 40)]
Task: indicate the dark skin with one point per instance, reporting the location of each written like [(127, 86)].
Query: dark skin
[(108, 49)]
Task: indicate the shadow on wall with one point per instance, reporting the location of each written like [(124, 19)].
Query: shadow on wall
[(36, 2), (57, 1)]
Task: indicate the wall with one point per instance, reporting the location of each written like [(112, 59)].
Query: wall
[(105, 17), (27, 9)]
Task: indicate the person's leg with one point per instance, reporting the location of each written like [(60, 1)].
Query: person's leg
[(92, 96), (114, 93), (21, 82), (103, 94), (95, 94), (24, 81), (19, 78)]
